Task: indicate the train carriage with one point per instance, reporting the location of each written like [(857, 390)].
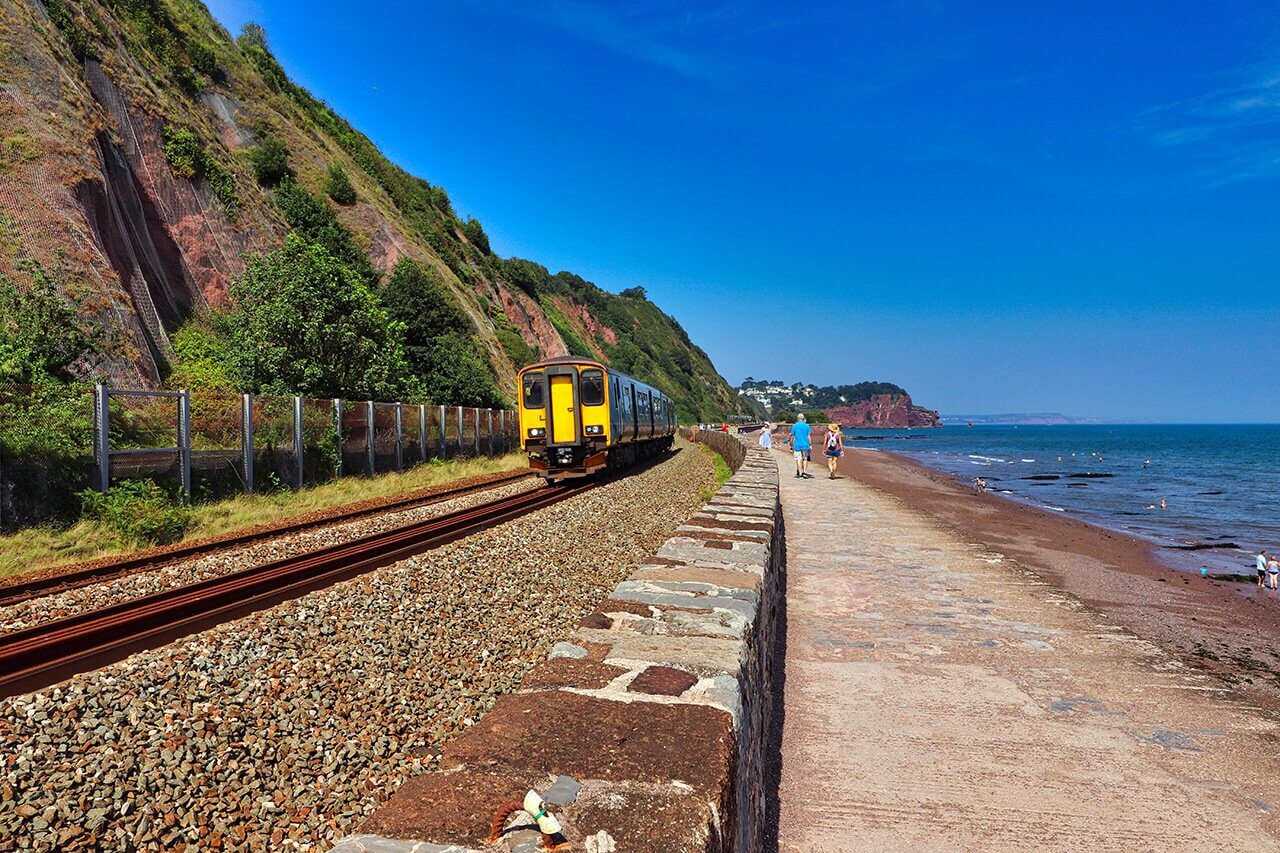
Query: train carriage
[(578, 416)]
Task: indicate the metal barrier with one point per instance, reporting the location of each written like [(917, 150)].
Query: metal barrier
[(276, 441)]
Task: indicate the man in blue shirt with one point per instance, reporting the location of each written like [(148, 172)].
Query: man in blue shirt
[(800, 446)]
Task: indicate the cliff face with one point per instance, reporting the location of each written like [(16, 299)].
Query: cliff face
[(884, 411), (91, 92)]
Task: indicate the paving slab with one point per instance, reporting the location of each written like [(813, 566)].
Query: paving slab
[(939, 696)]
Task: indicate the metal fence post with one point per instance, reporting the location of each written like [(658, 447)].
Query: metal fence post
[(502, 428), (462, 448), (101, 441), (297, 442), (246, 440), (399, 436), (422, 433), (477, 432), (184, 442), (371, 462), (443, 449), (337, 423), (490, 430)]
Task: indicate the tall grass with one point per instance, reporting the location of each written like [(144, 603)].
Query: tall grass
[(42, 547)]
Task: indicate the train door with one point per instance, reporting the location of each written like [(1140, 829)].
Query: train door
[(615, 410), (635, 412), (653, 414), (562, 407)]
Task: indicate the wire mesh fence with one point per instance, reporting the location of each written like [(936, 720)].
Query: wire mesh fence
[(56, 441)]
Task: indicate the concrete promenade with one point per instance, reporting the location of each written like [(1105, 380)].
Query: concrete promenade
[(939, 696)]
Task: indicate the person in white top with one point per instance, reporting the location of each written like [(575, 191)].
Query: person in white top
[(766, 437), (1262, 569)]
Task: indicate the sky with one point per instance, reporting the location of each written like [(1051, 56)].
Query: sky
[(1003, 207)]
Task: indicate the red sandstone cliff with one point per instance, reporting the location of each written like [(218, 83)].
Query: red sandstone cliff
[(884, 411)]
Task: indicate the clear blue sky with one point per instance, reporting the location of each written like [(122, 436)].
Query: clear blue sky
[(1001, 206)]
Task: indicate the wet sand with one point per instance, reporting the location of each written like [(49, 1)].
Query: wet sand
[(1207, 623)]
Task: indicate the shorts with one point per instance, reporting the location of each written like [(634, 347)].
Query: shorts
[(833, 452), (800, 454)]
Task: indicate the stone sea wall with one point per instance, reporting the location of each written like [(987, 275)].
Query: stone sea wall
[(654, 726)]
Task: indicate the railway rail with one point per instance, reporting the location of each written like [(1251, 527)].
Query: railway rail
[(46, 654), (25, 590)]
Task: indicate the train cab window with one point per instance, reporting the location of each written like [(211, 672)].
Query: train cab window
[(591, 387), (533, 390)]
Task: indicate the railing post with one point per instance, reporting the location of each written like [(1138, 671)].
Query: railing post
[(297, 443), (489, 430), (337, 423), (101, 440), (502, 428), (246, 440), (371, 462), (422, 432), (184, 442), (462, 449), (399, 436), (443, 447), (477, 431)]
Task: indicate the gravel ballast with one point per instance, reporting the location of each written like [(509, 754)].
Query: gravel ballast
[(81, 600), (286, 728)]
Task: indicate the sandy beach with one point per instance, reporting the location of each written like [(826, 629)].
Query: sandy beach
[(1208, 623)]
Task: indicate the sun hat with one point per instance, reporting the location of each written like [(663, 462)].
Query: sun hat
[(833, 427)]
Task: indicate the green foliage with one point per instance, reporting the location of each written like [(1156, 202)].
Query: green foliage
[(572, 342), (438, 345), (817, 417), (200, 359), (40, 335), (338, 186), (315, 220), (76, 34), (528, 276), (139, 510), (515, 347), (270, 161), (189, 159), (189, 61), (302, 321), (474, 232)]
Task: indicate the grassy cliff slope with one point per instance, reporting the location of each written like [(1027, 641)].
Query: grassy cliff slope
[(144, 153)]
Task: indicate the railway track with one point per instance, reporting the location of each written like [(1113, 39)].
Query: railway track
[(24, 590), (46, 654)]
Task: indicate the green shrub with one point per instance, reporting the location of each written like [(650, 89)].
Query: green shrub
[(300, 321), (189, 159), (200, 358), (315, 220), (338, 186), (270, 161), (75, 32), (40, 335), (139, 510), (474, 232)]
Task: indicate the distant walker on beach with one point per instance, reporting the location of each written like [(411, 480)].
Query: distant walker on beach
[(835, 448), (766, 437), (800, 446)]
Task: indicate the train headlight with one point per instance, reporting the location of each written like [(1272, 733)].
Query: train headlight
[(537, 432), (595, 429)]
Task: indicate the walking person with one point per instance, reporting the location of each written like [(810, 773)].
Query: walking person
[(1262, 569), (835, 448), (1273, 573), (766, 437), (800, 446)]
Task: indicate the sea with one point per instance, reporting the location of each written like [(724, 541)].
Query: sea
[(1220, 483)]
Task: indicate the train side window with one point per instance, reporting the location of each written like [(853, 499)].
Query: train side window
[(591, 387), (533, 391)]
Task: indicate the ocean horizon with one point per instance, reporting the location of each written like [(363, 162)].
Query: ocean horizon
[(1220, 482)]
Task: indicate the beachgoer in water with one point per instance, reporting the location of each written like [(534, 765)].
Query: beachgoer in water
[(1262, 569), (800, 446), (834, 448), (1273, 573), (979, 485), (1163, 505), (766, 437)]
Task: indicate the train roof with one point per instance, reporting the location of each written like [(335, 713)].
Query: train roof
[(589, 362)]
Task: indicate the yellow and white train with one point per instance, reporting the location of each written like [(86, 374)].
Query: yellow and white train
[(578, 416)]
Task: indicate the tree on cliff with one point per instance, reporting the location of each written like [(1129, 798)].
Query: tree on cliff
[(301, 321), (438, 346)]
